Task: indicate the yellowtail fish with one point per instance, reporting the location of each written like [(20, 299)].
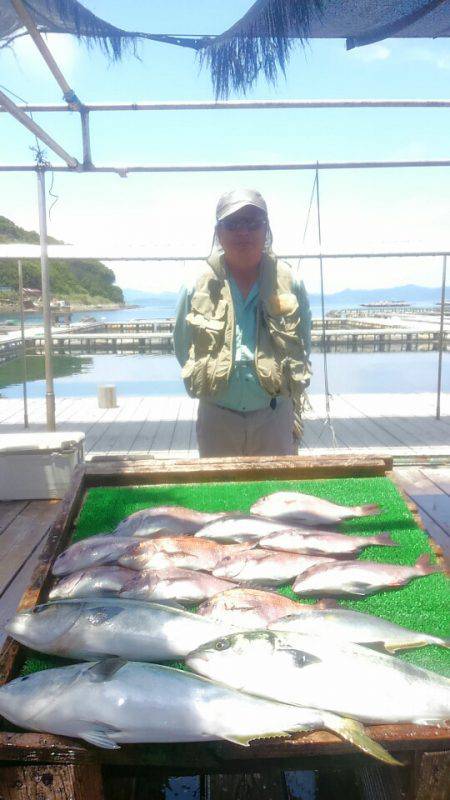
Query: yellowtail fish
[(346, 625), (319, 672), (296, 507), (114, 702)]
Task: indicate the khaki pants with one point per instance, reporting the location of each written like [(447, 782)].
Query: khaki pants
[(267, 432)]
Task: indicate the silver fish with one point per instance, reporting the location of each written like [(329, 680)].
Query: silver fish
[(346, 625), (316, 672), (323, 542), (240, 528), (297, 507), (265, 567), (97, 581), (114, 702), (163, 521), (90, 629), (90, 552), (171, 584), (248, 609), (177, 551), (359, 577)]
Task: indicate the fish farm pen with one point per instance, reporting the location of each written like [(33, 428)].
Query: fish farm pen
[(103, 492)]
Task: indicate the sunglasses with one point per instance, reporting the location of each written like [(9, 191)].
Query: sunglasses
[(249, 223)]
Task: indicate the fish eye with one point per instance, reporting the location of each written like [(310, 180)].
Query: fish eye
[(222, 645)]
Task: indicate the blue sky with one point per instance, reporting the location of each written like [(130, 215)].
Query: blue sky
[(391, 209)]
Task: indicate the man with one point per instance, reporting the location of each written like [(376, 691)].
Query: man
[(242, 336)]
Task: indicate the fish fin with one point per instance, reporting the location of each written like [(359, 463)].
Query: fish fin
[(368, 510), (299, 657), (426, 568), (352, 731), (105, 670), (381, 647), (326, 603), (244, 741), (100, 736)]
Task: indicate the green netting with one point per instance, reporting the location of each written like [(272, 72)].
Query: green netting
[(420, 605)]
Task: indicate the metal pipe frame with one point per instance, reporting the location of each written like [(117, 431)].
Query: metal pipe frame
[(36, 129), (441, 338), (123, 171), (24, 347), (242, 105), (74, 254), (49, 388)]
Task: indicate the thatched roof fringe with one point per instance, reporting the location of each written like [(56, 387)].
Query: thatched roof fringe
[(260, 41)]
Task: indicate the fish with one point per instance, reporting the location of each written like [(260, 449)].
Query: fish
[(323, 542), (346, 625), (100, 581), (248, 609), (177, 551), (93, 628), (112, 702), (164, 521), (360, 578), (90, 552), (308, 509), (318, 672), (240, 528), (265, 567), (171, 584), (182, 585)]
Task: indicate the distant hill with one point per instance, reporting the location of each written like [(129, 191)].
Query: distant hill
[(88, 282), (410, 293)]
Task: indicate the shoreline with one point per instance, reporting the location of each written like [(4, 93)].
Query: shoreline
[(74, 309)]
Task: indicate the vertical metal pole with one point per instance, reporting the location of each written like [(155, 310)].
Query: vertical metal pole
[(24, 347), (441, 338), (49, 391)]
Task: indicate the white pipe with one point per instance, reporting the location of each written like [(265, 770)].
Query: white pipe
[(243, 105), (49, 389)]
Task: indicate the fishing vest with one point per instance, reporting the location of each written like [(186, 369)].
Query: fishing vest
[(281, 362)]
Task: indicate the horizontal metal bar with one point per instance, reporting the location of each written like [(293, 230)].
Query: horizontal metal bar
[(243, 105), (32, 126), (113, 253), (294, 165)]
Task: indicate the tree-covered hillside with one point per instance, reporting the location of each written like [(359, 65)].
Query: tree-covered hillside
[(86, 282)]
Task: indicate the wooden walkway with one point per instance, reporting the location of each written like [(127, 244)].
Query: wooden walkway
[(402, 425)]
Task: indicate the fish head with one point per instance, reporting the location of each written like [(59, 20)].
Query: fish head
[(43, 624), (233, 659), (68, 586), (229, 566), (73, 558)]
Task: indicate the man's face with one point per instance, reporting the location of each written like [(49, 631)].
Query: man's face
[(242, 236)]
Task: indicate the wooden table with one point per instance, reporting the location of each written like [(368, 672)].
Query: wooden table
[(40, 766)]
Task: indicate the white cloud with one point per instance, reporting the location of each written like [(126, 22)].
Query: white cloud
[(64, 49), (426, 55), (370, 53)]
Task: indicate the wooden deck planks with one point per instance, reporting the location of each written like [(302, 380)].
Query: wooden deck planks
[(432, 501)]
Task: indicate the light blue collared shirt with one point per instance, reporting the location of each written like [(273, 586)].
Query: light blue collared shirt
[(243, 391)]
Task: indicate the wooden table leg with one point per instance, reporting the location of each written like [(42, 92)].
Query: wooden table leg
[(48, 782), (432, 777)]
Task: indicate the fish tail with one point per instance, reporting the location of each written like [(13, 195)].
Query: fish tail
[(424, 567), (352, 731), (367, 510), (384, 539)]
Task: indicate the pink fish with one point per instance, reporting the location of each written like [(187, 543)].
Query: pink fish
[(323, 542), (248, 609), (359, 577), (265, 567), (297, 507)]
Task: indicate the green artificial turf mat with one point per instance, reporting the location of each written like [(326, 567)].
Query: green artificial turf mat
[(422, 605)]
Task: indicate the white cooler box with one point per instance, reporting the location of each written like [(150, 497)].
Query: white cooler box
[(38, 466)]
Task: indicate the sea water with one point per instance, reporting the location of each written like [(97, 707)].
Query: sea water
[(156, 375)]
